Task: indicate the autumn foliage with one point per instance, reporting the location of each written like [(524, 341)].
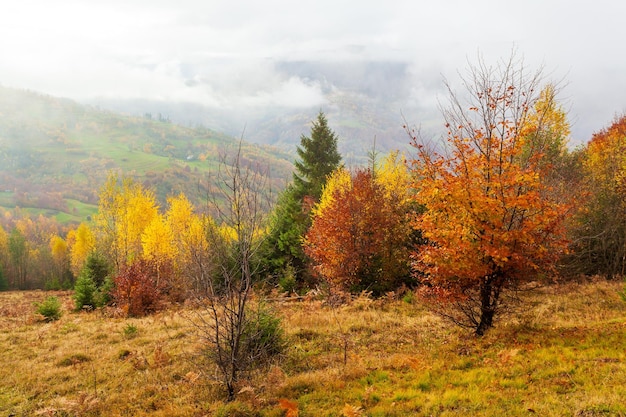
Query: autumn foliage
[(125, 211), (468, 221), (138, 290), (290, 407), (138, 240), (82, 242), (600, 231), (360, 235), (490, 221)]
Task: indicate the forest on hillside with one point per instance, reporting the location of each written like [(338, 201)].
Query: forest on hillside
[(55, 155)]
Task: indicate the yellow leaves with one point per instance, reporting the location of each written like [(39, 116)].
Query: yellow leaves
[(157, 241), (394, 177), (130, 227), (605, 157), (227, 233), (58, 248), (194, 238), (81, 242), (339, 181), (549, 113), (125, 210), (180, 213), (4, 241), (546, 129), (187, 228)]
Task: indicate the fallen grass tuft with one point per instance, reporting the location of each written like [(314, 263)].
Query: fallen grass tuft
[(74, 359)]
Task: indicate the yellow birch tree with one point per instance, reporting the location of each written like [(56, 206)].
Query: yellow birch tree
[(81, 243), (125, 210)]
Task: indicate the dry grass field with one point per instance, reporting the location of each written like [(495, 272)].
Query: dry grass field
[(563, 354)]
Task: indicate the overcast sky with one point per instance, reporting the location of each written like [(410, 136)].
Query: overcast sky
[(224, 53)]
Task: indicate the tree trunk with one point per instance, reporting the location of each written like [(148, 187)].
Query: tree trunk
[(486, 321), (488, 301), (231, 391)]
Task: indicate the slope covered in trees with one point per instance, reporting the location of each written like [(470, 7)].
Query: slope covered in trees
[(55, 154)]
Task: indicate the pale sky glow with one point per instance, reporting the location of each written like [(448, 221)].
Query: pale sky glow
[(222, 54)]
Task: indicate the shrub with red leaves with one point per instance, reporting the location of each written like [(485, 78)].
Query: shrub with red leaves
[(137, 288)]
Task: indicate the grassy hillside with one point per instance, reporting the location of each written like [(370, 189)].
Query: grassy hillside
[(564, 354), (55, 154)]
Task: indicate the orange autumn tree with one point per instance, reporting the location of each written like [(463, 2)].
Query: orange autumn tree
[(490, 223), (359, 239)]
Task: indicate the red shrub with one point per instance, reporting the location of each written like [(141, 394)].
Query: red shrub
[(137, 290)]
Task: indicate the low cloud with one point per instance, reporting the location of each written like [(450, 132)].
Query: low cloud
[(229, 55), (292, 93)]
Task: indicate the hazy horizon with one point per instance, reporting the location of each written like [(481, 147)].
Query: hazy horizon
[(248, 58)]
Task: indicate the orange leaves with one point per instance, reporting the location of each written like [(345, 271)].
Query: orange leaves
[(290, 407), (601, 213), (488, 212), (137, 289), (360, 232)]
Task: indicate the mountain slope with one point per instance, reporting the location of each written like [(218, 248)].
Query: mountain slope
[(55, 154)]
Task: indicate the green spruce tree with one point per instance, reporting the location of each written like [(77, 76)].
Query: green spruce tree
[(85, 291), (97, 268), (93, 284), (318, 157)]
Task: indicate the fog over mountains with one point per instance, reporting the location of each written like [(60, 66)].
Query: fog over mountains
[(273, 102), (264, 69), (365, 101)]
